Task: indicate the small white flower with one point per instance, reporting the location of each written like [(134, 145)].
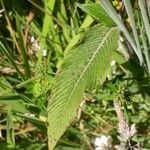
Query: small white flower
[(32, 39), (44, 52), (98, 141), (113, 63), (103, 142)]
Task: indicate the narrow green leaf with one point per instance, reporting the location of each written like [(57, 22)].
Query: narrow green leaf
[(146, 52), (148, 7), (117, 19), (23, 48), (10, 130), (130, 13), (146, 23), (62, 16), (119, 58), (37, 122), (84, 67), (48, 26), (86, 23), (61, 24), (11, 60)]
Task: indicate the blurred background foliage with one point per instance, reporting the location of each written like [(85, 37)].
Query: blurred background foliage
[(33, 38)]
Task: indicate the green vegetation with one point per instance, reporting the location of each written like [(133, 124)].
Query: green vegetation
[(75, 74)]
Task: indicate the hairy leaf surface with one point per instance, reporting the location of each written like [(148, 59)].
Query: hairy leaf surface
[(96, 11), (84, 67)]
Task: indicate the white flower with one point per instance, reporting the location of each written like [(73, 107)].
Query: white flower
[(98, 142), (44, 52), (113, 63), (103, 142), (32, 39)]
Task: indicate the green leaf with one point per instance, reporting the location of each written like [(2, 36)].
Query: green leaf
[(5, 50), (97, 12), (117, 19), (23, 48), (146, 24), (36, 121), (130, 13), (84, 67), (10, 130)]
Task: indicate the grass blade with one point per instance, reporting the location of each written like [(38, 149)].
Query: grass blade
[(86, 23), (129, 10), (148, 7), (146, 23), (23, 49), (10, 130), (11, 60), (117, 19), (146, 52)]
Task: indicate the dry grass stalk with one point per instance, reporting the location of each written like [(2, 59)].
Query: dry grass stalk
[(124, 128)]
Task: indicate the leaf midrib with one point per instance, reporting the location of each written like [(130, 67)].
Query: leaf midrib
[(91, 60)]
